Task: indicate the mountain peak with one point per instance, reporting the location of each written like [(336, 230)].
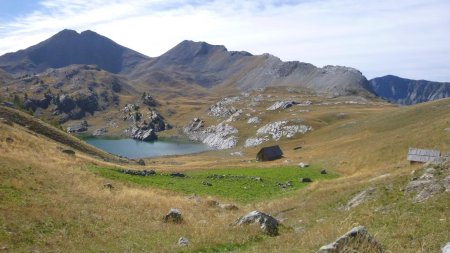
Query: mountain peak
[(66, 33), (69, 47)]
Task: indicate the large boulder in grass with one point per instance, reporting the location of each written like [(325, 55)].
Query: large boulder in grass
[(355, 240), (268, 224), (173, 216)]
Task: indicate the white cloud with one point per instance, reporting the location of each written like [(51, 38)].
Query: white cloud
[(404, 37)]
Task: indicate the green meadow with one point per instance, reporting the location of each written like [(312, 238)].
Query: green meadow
[(243, 185)]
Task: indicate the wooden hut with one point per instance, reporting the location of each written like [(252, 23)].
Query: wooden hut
[(269, 153)]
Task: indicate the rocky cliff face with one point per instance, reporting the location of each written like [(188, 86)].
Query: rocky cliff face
[(405, 91)]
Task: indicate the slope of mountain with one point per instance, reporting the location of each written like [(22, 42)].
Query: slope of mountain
[(68, 93), (406, 91), (69, 47), (5, 77), (212, 65)]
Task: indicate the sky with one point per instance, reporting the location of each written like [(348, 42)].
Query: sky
[(408, 38)]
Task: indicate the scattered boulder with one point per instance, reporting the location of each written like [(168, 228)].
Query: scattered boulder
[(141, 162), (355, 240), (68, 151), (446, 248), (205, 183), (303, 165), (285, 185), (281, 105), (183, 241), (108, 186), (360, 198), (177, 174), (100, 132), (78, 128), (9, 139), (305, 180), (229, 207), (323, 171), (298, 147), (143, 173), (173, 216), (268, 224), (216, 176), (253, 120)]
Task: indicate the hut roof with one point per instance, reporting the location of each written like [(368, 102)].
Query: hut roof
[(422, 155), (269, 153)]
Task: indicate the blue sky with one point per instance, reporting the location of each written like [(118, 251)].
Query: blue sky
[(409, 38)]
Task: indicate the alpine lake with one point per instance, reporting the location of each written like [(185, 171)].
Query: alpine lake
[(133, 149)]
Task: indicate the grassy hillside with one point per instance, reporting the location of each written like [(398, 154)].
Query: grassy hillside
[(51, 201), (37, 126)]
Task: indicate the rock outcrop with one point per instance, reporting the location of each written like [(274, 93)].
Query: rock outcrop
[(360, 198), (357, 239), (144, 129), (143, 133), (281, 105), (221, 109), (219, 136), (78, 128), (254, 141), (434, 180), (280, 129), (268, 224), (254, 120), (100, 131)]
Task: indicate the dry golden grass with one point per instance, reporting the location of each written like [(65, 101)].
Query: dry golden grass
[(51, 202), (54, 204)]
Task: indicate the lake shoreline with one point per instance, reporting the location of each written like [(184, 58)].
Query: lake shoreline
[(136, 149)]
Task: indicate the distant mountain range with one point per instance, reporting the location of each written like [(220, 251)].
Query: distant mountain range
[(406, 91), (204, 66)]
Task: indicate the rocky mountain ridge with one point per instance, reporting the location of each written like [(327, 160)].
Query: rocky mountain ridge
[(206, 65), (406, 91), (189, 63)]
